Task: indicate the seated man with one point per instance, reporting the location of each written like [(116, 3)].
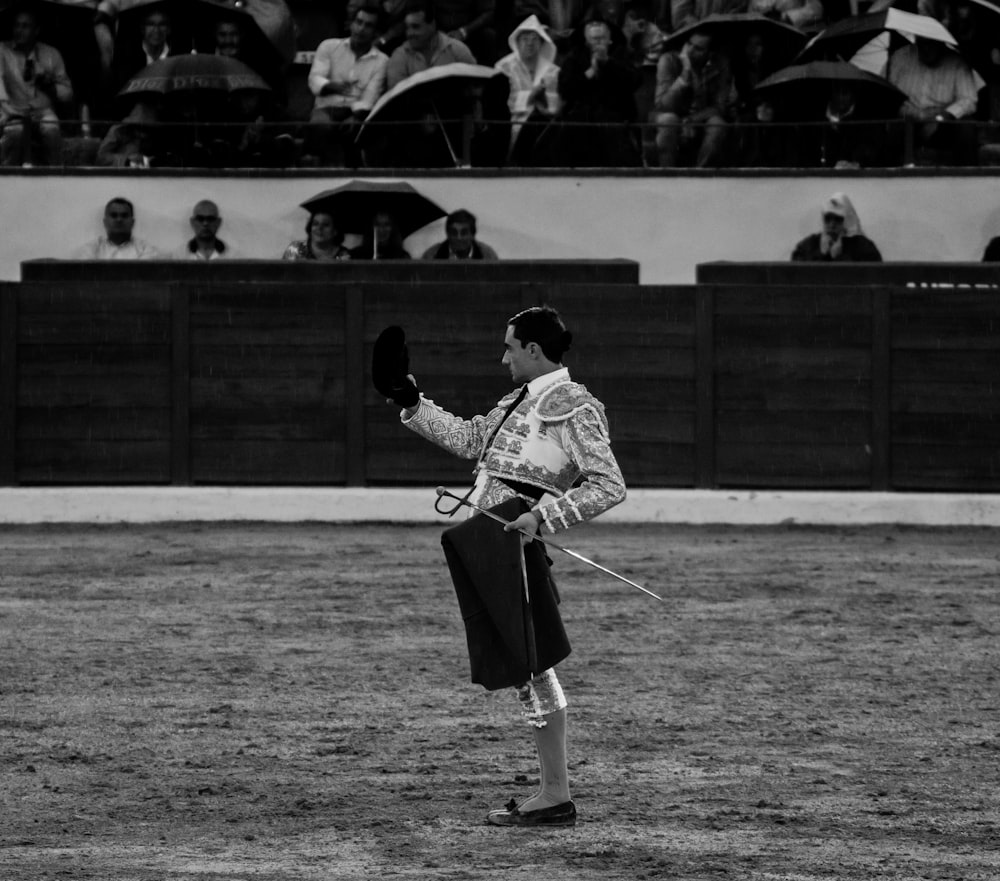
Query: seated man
[(692, 106), (206, 244), (33, 80), (117, 243), (347, 77), (425, 46), (154, 44), (940, 87), (597, 86), (461, 243)]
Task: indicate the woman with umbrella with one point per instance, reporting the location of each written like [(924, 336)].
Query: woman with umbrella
[(323, 242), (383, 242)]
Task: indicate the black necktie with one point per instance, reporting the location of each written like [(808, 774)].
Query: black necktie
[(29, 69), (510, 409)]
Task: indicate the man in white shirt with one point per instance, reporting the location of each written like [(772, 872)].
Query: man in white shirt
[(118, 242), (206, 244), (347, 77)]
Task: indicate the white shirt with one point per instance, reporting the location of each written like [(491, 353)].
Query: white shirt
[(102, 249), (335, 62)]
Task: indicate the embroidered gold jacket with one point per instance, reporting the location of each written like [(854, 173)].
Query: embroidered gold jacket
[(556, 441)]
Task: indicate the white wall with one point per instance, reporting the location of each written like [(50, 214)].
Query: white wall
[(669, 224)]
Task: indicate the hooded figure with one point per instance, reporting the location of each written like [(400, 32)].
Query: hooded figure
[(841, 239), (534, 82)]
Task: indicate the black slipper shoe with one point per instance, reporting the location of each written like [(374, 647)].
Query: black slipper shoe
[(553, 817)]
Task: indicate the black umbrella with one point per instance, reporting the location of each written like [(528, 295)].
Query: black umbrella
[(783, 40), (355, 204), (192, 75), (844, 39), (444, 92), (800, 84)]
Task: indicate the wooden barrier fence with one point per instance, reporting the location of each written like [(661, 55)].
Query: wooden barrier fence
[(714, 385)]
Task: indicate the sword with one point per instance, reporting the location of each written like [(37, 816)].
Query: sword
[(442, 492)]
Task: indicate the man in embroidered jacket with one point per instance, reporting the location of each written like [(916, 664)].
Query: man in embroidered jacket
[(555, 434)]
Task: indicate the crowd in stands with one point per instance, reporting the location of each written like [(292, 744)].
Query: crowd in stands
[(323, 242), (575, 84), (840, 239)]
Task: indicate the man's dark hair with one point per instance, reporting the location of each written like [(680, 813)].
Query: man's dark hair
[(370, 7), (461, 216), (542, 325), (425, 6), (120, 200)]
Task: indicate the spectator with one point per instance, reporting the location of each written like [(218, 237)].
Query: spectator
[(206, 244), (534, 86), (461, 242), (118, 243), (940, 88), (425, 46), (323, 241), (596, 85), (347, 77), (154, 44), (692, 104), (561, 18), (841, 239), (806, 15), (384, 242), (33, 80), (472, 23), (684, 13), (138, 141)]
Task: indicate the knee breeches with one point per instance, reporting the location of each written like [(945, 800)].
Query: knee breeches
[(539, 696)]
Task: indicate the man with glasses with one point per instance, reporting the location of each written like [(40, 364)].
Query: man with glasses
[(33, 81), (206, 244), (118, 243)]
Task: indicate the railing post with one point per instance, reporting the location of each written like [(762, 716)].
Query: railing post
[(8, 384), (354, 385), (180, 385), (881, 390), (704, 388)]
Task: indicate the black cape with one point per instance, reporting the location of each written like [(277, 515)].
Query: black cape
[(510, 639)]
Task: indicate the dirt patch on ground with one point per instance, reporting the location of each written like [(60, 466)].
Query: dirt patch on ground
[(292, 703)]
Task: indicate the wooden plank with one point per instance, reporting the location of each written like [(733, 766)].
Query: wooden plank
[(94, 423), (8, 383), (266, 391), (947, 429), (958, 365), (769, 331), (968, 468), (804, 466), (242, 362), (93, 462), (705, 476), (739, 394), (881, 391), (264, 462), (806, 427), (82, 299), (124, 390), (954, 397), (791, 301), (356, 380), (95, 329), (99, 359), (180, 387)]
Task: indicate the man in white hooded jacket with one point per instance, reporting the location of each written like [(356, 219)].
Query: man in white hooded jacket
[(534, 81)]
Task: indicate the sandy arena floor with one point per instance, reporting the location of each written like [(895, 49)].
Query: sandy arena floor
[(292, 703)]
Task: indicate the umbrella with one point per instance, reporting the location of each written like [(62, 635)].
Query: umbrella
[(850, 35), (783, 39), (795, 85), (356, 203), (442, 90), (193, 74)]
